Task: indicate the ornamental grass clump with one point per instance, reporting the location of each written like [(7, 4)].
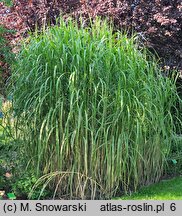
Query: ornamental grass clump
[(92, 110)]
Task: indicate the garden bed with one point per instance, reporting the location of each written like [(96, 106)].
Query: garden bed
[(96, 94)]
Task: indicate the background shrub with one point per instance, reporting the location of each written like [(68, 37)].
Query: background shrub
[(6, 58), (93, 111)]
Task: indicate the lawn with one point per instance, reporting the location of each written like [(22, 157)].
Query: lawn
[(170, 189)]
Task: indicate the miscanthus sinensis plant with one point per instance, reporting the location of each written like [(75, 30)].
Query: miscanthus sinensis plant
[(93, 111)]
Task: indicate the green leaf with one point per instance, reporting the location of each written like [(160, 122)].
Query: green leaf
[(11, 196), (174, 161)]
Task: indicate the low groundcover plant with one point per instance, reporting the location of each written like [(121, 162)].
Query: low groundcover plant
[(93, 111)]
